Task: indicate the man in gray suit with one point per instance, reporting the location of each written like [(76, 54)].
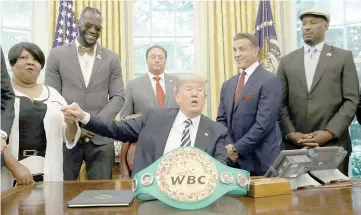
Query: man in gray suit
[(320, 90), (89, 74), (161, 130), (154, 90)]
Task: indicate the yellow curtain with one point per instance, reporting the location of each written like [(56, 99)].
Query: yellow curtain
[(225, 20), (117, 34)]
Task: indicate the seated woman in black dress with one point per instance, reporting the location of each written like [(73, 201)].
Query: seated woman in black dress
[(39, 131)]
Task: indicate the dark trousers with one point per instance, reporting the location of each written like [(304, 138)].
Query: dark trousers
[(99, 160)]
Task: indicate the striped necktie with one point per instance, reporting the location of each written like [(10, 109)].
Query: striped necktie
[(186, 136)]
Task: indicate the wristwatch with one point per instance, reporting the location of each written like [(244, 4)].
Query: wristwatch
[(234, 149)]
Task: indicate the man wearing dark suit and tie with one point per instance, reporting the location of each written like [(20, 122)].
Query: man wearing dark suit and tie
[(249, 108), (153, 90), (320, 90), (7, 104), (161, 130), (85, 72)]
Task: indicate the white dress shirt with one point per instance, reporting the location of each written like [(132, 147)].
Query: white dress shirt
[(249, 71), (86, 62), (175, 134), (154, 82), (311, 57)]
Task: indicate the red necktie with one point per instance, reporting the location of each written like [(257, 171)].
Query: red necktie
[(240, 86), (238, 91), (159, 92)]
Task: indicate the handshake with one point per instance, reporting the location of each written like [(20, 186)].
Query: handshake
[(73, 113)]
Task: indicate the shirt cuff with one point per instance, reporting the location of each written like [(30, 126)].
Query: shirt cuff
[(86, 119), (3, 134)]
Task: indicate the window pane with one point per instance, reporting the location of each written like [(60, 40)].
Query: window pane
[(184, 18), (334, 8), (17, 13), (185, 55), (354, 40), (12, 37), (353, 10), (163, 18), (334, 36), (299, 39), (140, 48), (303, 5), (141, 18), (168, 45)]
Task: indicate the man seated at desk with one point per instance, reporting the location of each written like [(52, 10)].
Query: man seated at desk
[(161, 130)]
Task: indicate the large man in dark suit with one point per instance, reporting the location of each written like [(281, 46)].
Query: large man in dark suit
[(321, 90), (87, 73), (249, 108), (159, 131), (7, 103)]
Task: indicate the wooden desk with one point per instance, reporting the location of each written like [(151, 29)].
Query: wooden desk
[(51, 198)]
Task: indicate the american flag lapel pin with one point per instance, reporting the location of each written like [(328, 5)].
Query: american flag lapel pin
[(328, 54)]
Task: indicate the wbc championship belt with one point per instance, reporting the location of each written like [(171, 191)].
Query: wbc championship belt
[(188, 178)]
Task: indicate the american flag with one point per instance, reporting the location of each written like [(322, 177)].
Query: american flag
[(265, 32), (66, 30)]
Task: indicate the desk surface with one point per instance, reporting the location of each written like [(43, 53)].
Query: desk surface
[(51, 198)]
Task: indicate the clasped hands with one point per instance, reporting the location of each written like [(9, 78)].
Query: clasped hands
[(314, 139), (231, 153), (73, 114)]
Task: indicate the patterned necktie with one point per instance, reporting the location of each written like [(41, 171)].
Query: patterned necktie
[(240, 86), (82, 50), (186, 136), (159, 92)]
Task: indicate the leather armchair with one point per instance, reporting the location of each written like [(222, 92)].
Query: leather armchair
[(127, 153)]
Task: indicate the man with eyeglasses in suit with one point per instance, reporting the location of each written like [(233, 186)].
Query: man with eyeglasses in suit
[(85, 72)]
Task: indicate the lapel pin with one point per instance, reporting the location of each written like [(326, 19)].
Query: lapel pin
[(99, 57), (206, 134), (328, 54)]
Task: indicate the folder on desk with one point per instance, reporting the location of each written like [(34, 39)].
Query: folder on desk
[(102, 198)]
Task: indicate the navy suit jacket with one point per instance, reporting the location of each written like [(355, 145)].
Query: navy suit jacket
[(257, 135), (151, 131)]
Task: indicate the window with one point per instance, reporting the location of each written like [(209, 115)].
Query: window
[(345, 25), (344, 32), (168, 24), (19, 23)]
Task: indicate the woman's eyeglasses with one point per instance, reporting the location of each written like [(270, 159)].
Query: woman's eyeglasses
[(87, 26)]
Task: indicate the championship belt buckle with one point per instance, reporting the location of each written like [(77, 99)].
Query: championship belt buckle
[(188, 178)]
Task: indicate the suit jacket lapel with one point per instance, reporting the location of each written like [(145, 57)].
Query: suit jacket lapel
[(74, 62), (300, 63), (251, 80), (150, 91), (97, 62), (322, 63), (167, 123), (233, 86), (202, 138), (169, 89)]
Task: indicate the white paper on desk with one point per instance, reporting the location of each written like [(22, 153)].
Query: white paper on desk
[(35, 164), (329, 175), (304, 180)]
